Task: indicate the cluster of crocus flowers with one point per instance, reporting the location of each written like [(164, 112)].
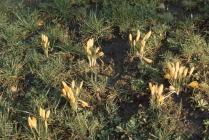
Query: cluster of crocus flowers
[(138, 45), (72, 93), (178, 76), (45, 44), (157, 96), (32, 122), (93, 53), (44, 116)]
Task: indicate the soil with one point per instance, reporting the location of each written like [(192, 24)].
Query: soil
[(115, 51)]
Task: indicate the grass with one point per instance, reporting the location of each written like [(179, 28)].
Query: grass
[(130, 90)]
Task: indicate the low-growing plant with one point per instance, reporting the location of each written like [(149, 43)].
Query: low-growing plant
[(39, 125), (178, 76), (157, 96), (71, 94), (138, 46), (44, 116), (93, 53), (27, 22), (206, 125), (7, 127), (199, 101), (45, 44), (32, 122), (95, 27)]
